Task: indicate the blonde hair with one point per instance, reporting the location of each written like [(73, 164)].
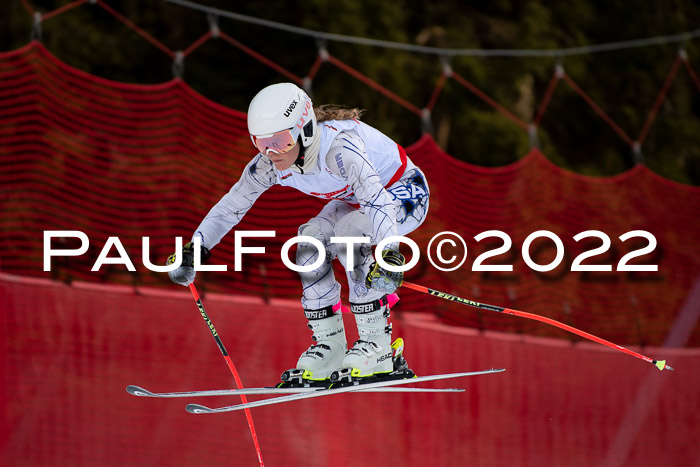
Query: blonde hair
[(327, 112)]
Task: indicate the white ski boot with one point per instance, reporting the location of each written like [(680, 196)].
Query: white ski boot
[(372, 352), (323, 357)]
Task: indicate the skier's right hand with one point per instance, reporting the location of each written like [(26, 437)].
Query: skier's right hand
[(184, 275)]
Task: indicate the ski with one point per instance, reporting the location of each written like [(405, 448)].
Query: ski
[(139, 391), (197, 409)]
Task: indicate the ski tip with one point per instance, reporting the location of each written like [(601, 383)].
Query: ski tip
[(661, 365), (137, 391), (196, 408)]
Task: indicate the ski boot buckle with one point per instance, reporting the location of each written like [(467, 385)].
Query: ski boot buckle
[(293, 376), (345, 375)]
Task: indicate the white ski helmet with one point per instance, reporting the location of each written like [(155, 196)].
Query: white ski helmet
[(280, 115)]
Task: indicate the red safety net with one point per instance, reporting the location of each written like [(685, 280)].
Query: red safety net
[(111, 159), (68, 352)]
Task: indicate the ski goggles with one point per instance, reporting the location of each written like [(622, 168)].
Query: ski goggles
[(276, 143)]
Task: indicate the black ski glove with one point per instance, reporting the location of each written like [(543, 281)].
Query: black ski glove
[(184, 275), (382, 280)]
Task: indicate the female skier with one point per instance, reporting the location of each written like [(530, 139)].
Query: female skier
[(373, 189)]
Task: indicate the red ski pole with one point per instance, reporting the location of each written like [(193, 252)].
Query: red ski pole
[(660, 364), (231, 367)]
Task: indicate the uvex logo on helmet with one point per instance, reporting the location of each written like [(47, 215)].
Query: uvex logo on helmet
[(302, 120), (288, 112)]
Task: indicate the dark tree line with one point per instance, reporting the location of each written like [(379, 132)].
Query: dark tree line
[(624, 83)]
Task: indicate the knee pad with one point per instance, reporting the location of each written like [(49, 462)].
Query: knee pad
[(353, 224)]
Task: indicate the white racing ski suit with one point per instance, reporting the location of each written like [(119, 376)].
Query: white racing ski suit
[(374, 190)]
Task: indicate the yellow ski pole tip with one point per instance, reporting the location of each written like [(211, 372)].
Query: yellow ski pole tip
[(661, 364)]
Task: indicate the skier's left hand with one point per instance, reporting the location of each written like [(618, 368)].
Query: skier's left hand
[(382, 280)]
